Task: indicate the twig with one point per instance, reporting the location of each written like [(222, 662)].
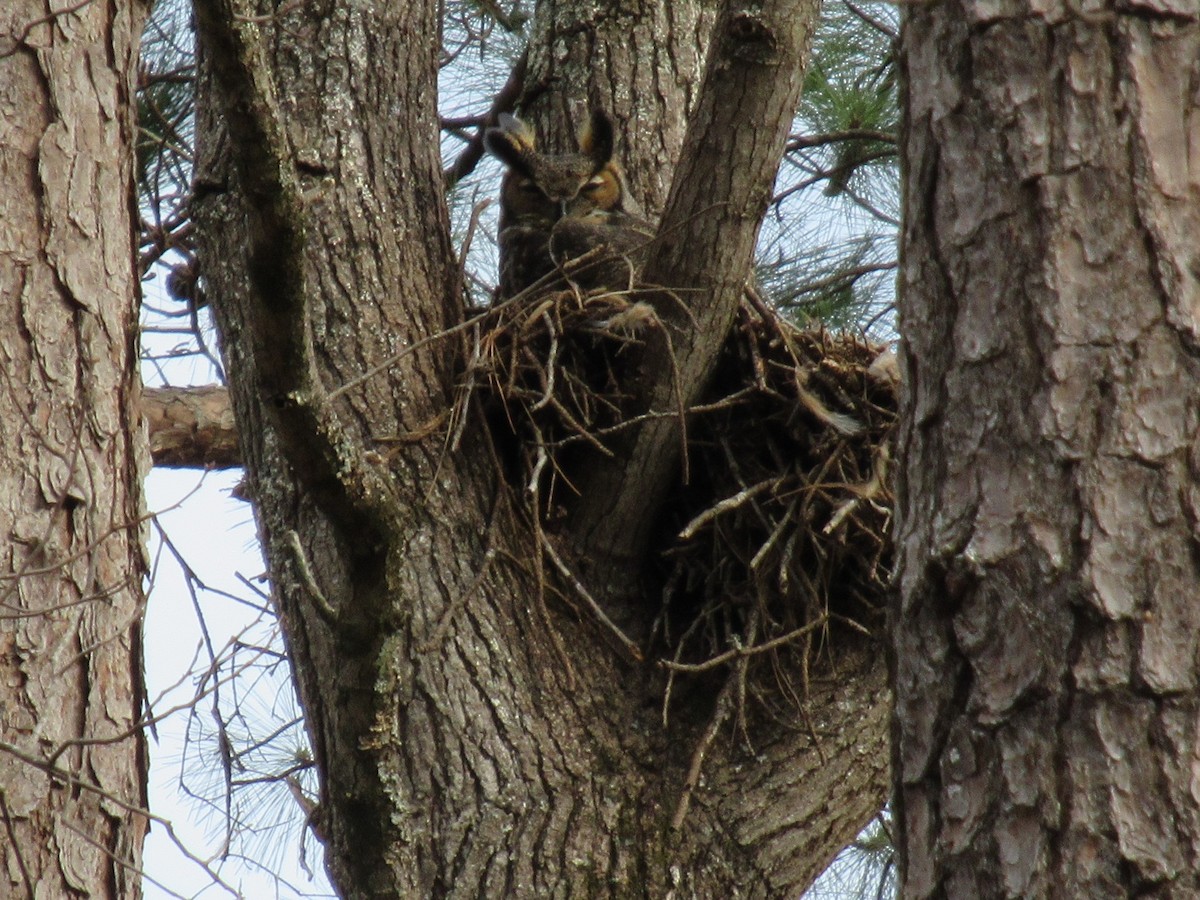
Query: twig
[(788, 518), (742, 672), (468, 239), (629, 646), (878, 24), (736, 652), (491, 311), (137, 871), (539, 538), (805, 141), (458, 418), (727, 504), (694, 627), (550, 366), (322, 605), (680, 403), (16, 845), (504, 101), (580, 431), (720, 714), (536, 475), (847, 276), (70, 779), (443, 626)]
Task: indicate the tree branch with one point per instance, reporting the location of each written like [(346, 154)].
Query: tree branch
[(191, 427), (705, 249), (504, 101), (315, 442)]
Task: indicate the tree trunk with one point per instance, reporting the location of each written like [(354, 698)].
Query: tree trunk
[(72, 762), (1047, 632), (473, 738), (641, 62)]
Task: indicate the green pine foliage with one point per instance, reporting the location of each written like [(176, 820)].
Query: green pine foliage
[(827, 252)]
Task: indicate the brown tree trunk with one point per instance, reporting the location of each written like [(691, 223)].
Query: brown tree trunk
[(641, 62), (72, 763), (473, 738), (1046, 637)]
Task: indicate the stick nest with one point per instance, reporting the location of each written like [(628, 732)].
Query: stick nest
[(780, 534)]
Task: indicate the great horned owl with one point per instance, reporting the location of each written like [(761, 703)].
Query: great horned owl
[(557, 207)]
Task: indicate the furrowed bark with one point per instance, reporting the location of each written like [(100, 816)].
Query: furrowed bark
[(1047, 631), (72, 558)]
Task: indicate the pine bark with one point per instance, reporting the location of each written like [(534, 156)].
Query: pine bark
[(474, 736), (1046, 636), (72, 761)]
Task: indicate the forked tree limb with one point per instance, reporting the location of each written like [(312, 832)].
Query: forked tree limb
[(317, 446), (704, 253)]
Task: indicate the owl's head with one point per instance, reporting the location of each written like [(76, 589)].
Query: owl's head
[(541, 188)]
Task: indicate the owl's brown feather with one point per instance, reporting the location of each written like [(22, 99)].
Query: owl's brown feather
[(555, 208)]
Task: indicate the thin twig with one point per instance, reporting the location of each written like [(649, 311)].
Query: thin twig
[(629, 646), (720, 714), (443, 626), (490, 312), (736, 652), (72, 780), (468, 239), (504, 101), (320, 602), (727, 504), (16, 845), (550, 368)]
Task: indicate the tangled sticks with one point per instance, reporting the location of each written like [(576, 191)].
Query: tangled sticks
[(777, 535)]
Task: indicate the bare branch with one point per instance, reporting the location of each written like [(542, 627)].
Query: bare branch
[(504, 101), (739, 129), (191, 427)]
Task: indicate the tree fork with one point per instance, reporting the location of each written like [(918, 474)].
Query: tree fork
[(462, 750)]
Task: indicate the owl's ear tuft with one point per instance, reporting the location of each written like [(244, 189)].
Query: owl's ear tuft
[(512, 142), (596, 141), (518, 131)]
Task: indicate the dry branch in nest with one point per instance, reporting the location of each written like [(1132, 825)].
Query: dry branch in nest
[(782, 537), (781, 534)]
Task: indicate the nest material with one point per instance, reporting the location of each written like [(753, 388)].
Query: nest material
[(781, 531)]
